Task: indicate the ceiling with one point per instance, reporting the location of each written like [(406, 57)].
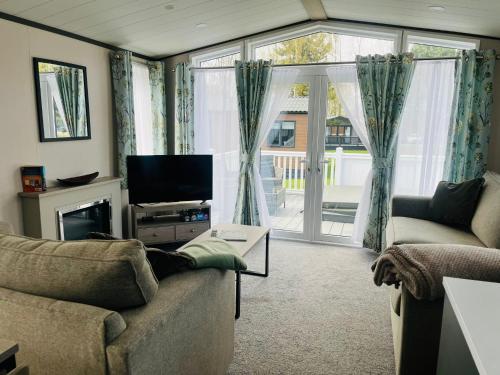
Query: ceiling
[(166, 27)]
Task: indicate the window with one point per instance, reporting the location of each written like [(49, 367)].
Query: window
[(321, 43), (142, 109), (217, 58), (432, 45), (222, 61), (282, 134)]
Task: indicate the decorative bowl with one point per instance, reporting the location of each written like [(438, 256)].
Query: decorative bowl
[(78, 180)]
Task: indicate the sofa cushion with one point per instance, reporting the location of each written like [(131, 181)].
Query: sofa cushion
[(486, 220), (407, 230), (455, 204), (109, 274)]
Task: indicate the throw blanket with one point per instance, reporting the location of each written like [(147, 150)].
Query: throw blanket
[(214, 253), (421, 267), (211, 253)]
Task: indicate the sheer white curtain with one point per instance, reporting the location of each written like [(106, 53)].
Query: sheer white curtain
[(216, 127), (282, 80), (142, 109), (424, 129), (345, 82)]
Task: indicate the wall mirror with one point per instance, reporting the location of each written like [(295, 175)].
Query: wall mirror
[(62, 100)]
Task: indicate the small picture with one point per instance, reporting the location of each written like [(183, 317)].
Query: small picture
[(33, 178)]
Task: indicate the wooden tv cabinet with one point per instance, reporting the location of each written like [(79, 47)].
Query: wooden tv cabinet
[(166, 223)]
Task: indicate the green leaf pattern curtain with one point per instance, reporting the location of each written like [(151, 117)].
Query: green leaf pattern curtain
[(123, 108), (252, 85), (158, 106), (184, 126), (70, 87), (384, 84), (468, 140)]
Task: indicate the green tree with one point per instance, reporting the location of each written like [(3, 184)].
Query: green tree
[(312, 48), (425, 50)]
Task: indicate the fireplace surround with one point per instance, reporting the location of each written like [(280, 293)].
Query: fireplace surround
[(67, 213)]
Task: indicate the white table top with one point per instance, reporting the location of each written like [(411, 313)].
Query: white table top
[(476, 305), (254, 235)]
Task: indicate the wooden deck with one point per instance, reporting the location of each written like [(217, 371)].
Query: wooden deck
[(291, 218)]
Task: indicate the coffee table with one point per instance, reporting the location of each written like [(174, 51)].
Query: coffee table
[(254, 235)]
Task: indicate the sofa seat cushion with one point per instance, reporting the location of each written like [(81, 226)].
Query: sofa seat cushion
[(486, 220), (407, 230), (108, 274)]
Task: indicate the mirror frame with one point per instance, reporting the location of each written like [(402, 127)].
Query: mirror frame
[(36, 72)]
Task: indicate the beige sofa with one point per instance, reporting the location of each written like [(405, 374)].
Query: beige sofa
[(187, 327), (416, 325)]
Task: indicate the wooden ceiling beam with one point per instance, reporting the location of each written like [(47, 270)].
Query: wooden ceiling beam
[(315, 9)]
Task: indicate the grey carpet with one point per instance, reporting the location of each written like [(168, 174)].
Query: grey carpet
[(317, 313)]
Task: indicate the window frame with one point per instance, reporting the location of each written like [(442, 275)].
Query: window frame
[(280, 135), (344, 28), (196, 58), (438, 40)]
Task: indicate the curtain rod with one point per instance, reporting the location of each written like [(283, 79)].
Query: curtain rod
[(328, 63)]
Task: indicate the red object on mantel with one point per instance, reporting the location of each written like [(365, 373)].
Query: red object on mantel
[(33, 178)]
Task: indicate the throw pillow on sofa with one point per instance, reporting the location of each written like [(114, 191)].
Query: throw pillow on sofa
[(110, 274), (455, 204)]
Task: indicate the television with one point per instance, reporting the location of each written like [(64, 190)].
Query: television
[(169, 178)]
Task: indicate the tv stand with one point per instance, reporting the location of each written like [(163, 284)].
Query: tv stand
[(169, 223)]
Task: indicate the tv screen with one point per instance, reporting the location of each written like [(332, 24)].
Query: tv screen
[(169, 178)]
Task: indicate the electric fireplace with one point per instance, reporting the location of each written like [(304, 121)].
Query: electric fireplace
[(76, 221)]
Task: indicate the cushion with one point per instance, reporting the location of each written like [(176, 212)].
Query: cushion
[(486, 221), (407, 230), (109, 274), (455, 204)]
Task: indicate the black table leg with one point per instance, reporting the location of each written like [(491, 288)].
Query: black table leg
[(238, 294), (251, 273)]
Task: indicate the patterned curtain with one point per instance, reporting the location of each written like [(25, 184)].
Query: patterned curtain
[(384, 84), (469, 135), (158, 106), (68, 82), (123, 101), (252, 85), (184, 126)]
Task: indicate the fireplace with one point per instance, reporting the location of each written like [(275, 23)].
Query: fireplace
[(76, 221)]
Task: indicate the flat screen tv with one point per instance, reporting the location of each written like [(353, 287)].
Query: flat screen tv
[(169, 178)]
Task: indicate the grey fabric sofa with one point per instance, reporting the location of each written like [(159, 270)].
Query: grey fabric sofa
[(187, 327), (416, 325)]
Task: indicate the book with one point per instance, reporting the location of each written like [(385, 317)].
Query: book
[(33, 178)]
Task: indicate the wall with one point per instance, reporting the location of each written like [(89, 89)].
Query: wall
[(19, 144), (301, 122)]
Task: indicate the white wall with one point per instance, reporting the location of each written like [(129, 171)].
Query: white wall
[(19, 144)]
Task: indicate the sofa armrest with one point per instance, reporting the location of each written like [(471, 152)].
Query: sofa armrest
[(58, 337), (188, 328), (411, 206)]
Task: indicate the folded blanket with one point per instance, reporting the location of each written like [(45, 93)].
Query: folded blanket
[(214, 253), (421, 267)]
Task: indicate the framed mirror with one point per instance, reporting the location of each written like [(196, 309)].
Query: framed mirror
[(62, 101)]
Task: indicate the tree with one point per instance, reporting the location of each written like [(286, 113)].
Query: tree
[(312, 48), (425, 50)]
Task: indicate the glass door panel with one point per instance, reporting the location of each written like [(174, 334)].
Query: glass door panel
[(284, 166), (344, 164)]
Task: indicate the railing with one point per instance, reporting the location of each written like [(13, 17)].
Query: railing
[(340, 168), (334, 141)]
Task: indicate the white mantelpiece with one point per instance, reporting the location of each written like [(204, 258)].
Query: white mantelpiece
[(40, 209)]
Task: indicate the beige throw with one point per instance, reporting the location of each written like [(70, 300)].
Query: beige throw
[(421, 267)]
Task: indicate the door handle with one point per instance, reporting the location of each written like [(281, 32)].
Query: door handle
[(321, 162), (306, 162)]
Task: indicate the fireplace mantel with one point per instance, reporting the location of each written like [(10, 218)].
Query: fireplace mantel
[(40, 210)]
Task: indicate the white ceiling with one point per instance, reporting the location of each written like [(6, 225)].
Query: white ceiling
[(151, 28)]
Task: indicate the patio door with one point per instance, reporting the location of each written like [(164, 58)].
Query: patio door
[(303, 166)]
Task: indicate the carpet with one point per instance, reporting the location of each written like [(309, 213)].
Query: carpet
[(318, 312)]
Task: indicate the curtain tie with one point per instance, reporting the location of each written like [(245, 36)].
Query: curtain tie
[(247, 159), (382, 163)]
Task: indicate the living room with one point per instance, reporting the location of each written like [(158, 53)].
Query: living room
[(230, 187)]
